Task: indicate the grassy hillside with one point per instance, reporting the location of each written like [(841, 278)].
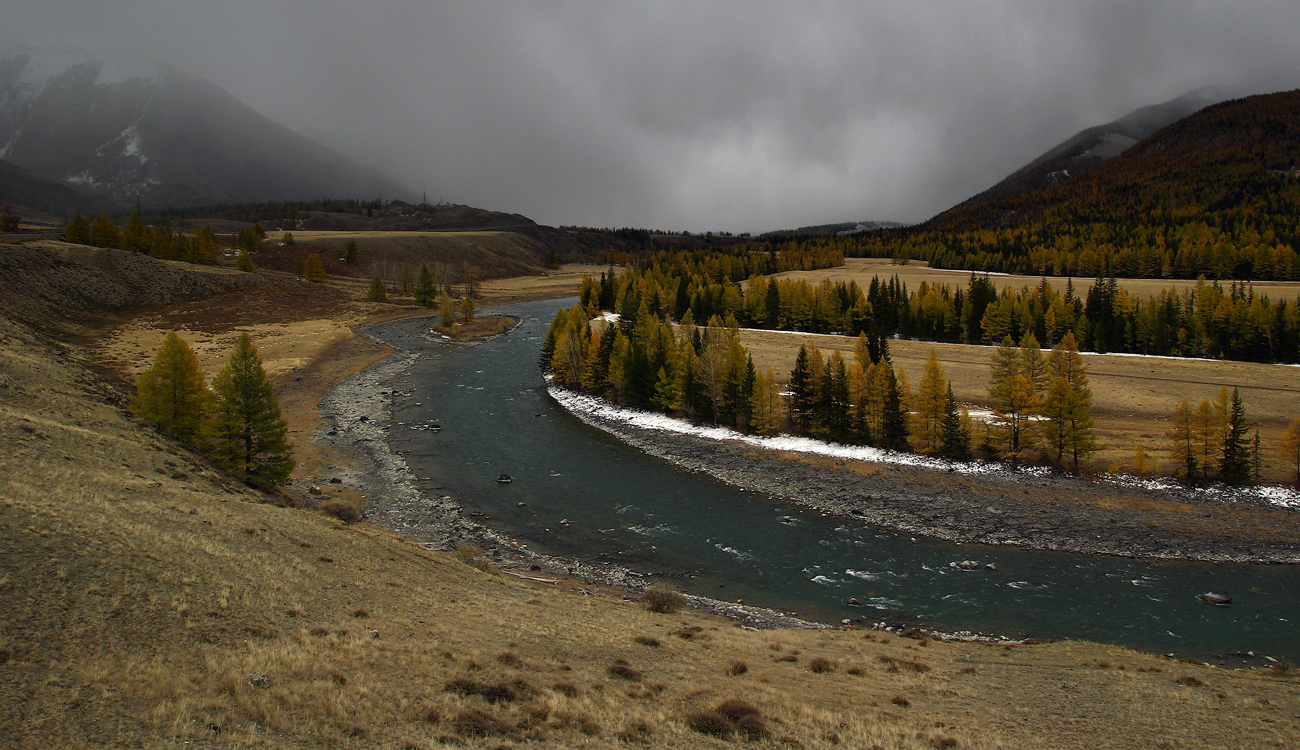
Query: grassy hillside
[(1211, 194), (148, 601)]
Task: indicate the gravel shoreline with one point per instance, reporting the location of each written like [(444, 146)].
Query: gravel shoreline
[(1022, 509), (357, 415)]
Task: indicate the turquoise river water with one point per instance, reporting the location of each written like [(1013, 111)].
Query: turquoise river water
[(708, 538)]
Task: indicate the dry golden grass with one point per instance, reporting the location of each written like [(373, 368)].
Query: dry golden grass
[(486, 325), (1133, 397), (147, 601), (862, 269)]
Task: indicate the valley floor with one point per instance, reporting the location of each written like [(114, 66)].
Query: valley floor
[(148, 601)]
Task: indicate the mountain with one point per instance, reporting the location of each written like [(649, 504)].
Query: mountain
[(28, 193), (1080, 153), (129, 126), (1213, 194)]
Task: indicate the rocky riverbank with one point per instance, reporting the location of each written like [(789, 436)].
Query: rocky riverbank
[(357, 417), (1033, 510)]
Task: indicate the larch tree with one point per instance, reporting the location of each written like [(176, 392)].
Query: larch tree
[(467, 309), (1207, 435), (1289, 447), (765, 404), (1068, 428), (377, 292), (245, 433), (244, 261), (931, 404), (446, 311), (1182, 440), (1015, 401), (172, 392)]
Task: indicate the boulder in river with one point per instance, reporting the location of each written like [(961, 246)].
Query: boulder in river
[(1217, 598), (853, 601), (967, 565)]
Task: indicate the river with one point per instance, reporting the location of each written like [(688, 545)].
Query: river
[(580, 493)]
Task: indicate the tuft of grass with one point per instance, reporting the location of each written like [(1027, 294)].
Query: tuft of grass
[(475, 722), (942, 743), (900, 700), (820, 665), (856, 671), (646, 640), (737, 667), (1280, 668), (625, 672), (567, 689), (788, 657), (662, 600), (360, 614), (510, 660), (637, 731), (1189, 681), (730, 717)]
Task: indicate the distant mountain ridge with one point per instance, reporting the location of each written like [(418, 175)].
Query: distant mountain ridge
[(129, 126), (1081, 152)]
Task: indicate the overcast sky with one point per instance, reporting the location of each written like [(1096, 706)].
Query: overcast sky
[(732, 116)]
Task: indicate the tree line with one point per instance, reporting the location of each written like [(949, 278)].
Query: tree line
[(235, 420), (1041, 405), (1204, 321), (137, 237)]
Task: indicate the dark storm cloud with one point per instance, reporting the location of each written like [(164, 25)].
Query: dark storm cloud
[(732, 116)]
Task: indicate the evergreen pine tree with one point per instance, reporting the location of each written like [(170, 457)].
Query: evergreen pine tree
[(377, 291), (894, 419), (954, 435), (425, 292), (1234, 466), (245, 433), (801, 389), (172, 392), (350, 252)]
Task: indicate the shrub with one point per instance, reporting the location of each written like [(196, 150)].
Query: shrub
[(625, 672), (737, 667), (730, 716), (856, 671), (463, 686), (498, 693), (899, 700), (820, 665), (567, 689), (637, 731), (646, 640), (663, 600), (475, 558), (343, 510), (510, 660), (1280, 668), (1189, 681)]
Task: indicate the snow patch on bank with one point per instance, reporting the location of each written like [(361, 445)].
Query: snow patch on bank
[(591, 410)]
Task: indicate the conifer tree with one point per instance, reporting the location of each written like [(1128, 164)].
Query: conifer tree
[(1289, 447), (954, 436), (1069, 426), (203, 248), (1207, 435), (446, 312), (377, 292), (172, 392), (244, 261), (467, 309), (350, 252), (245, 433), (1183, 441), (299, 266), (765, 404), (894, 419), (78, 232), (103, 233), (802, 399), (1234, 465), (425, 292), (931, 404)]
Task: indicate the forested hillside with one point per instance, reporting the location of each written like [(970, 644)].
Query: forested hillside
[(1212, 194)]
